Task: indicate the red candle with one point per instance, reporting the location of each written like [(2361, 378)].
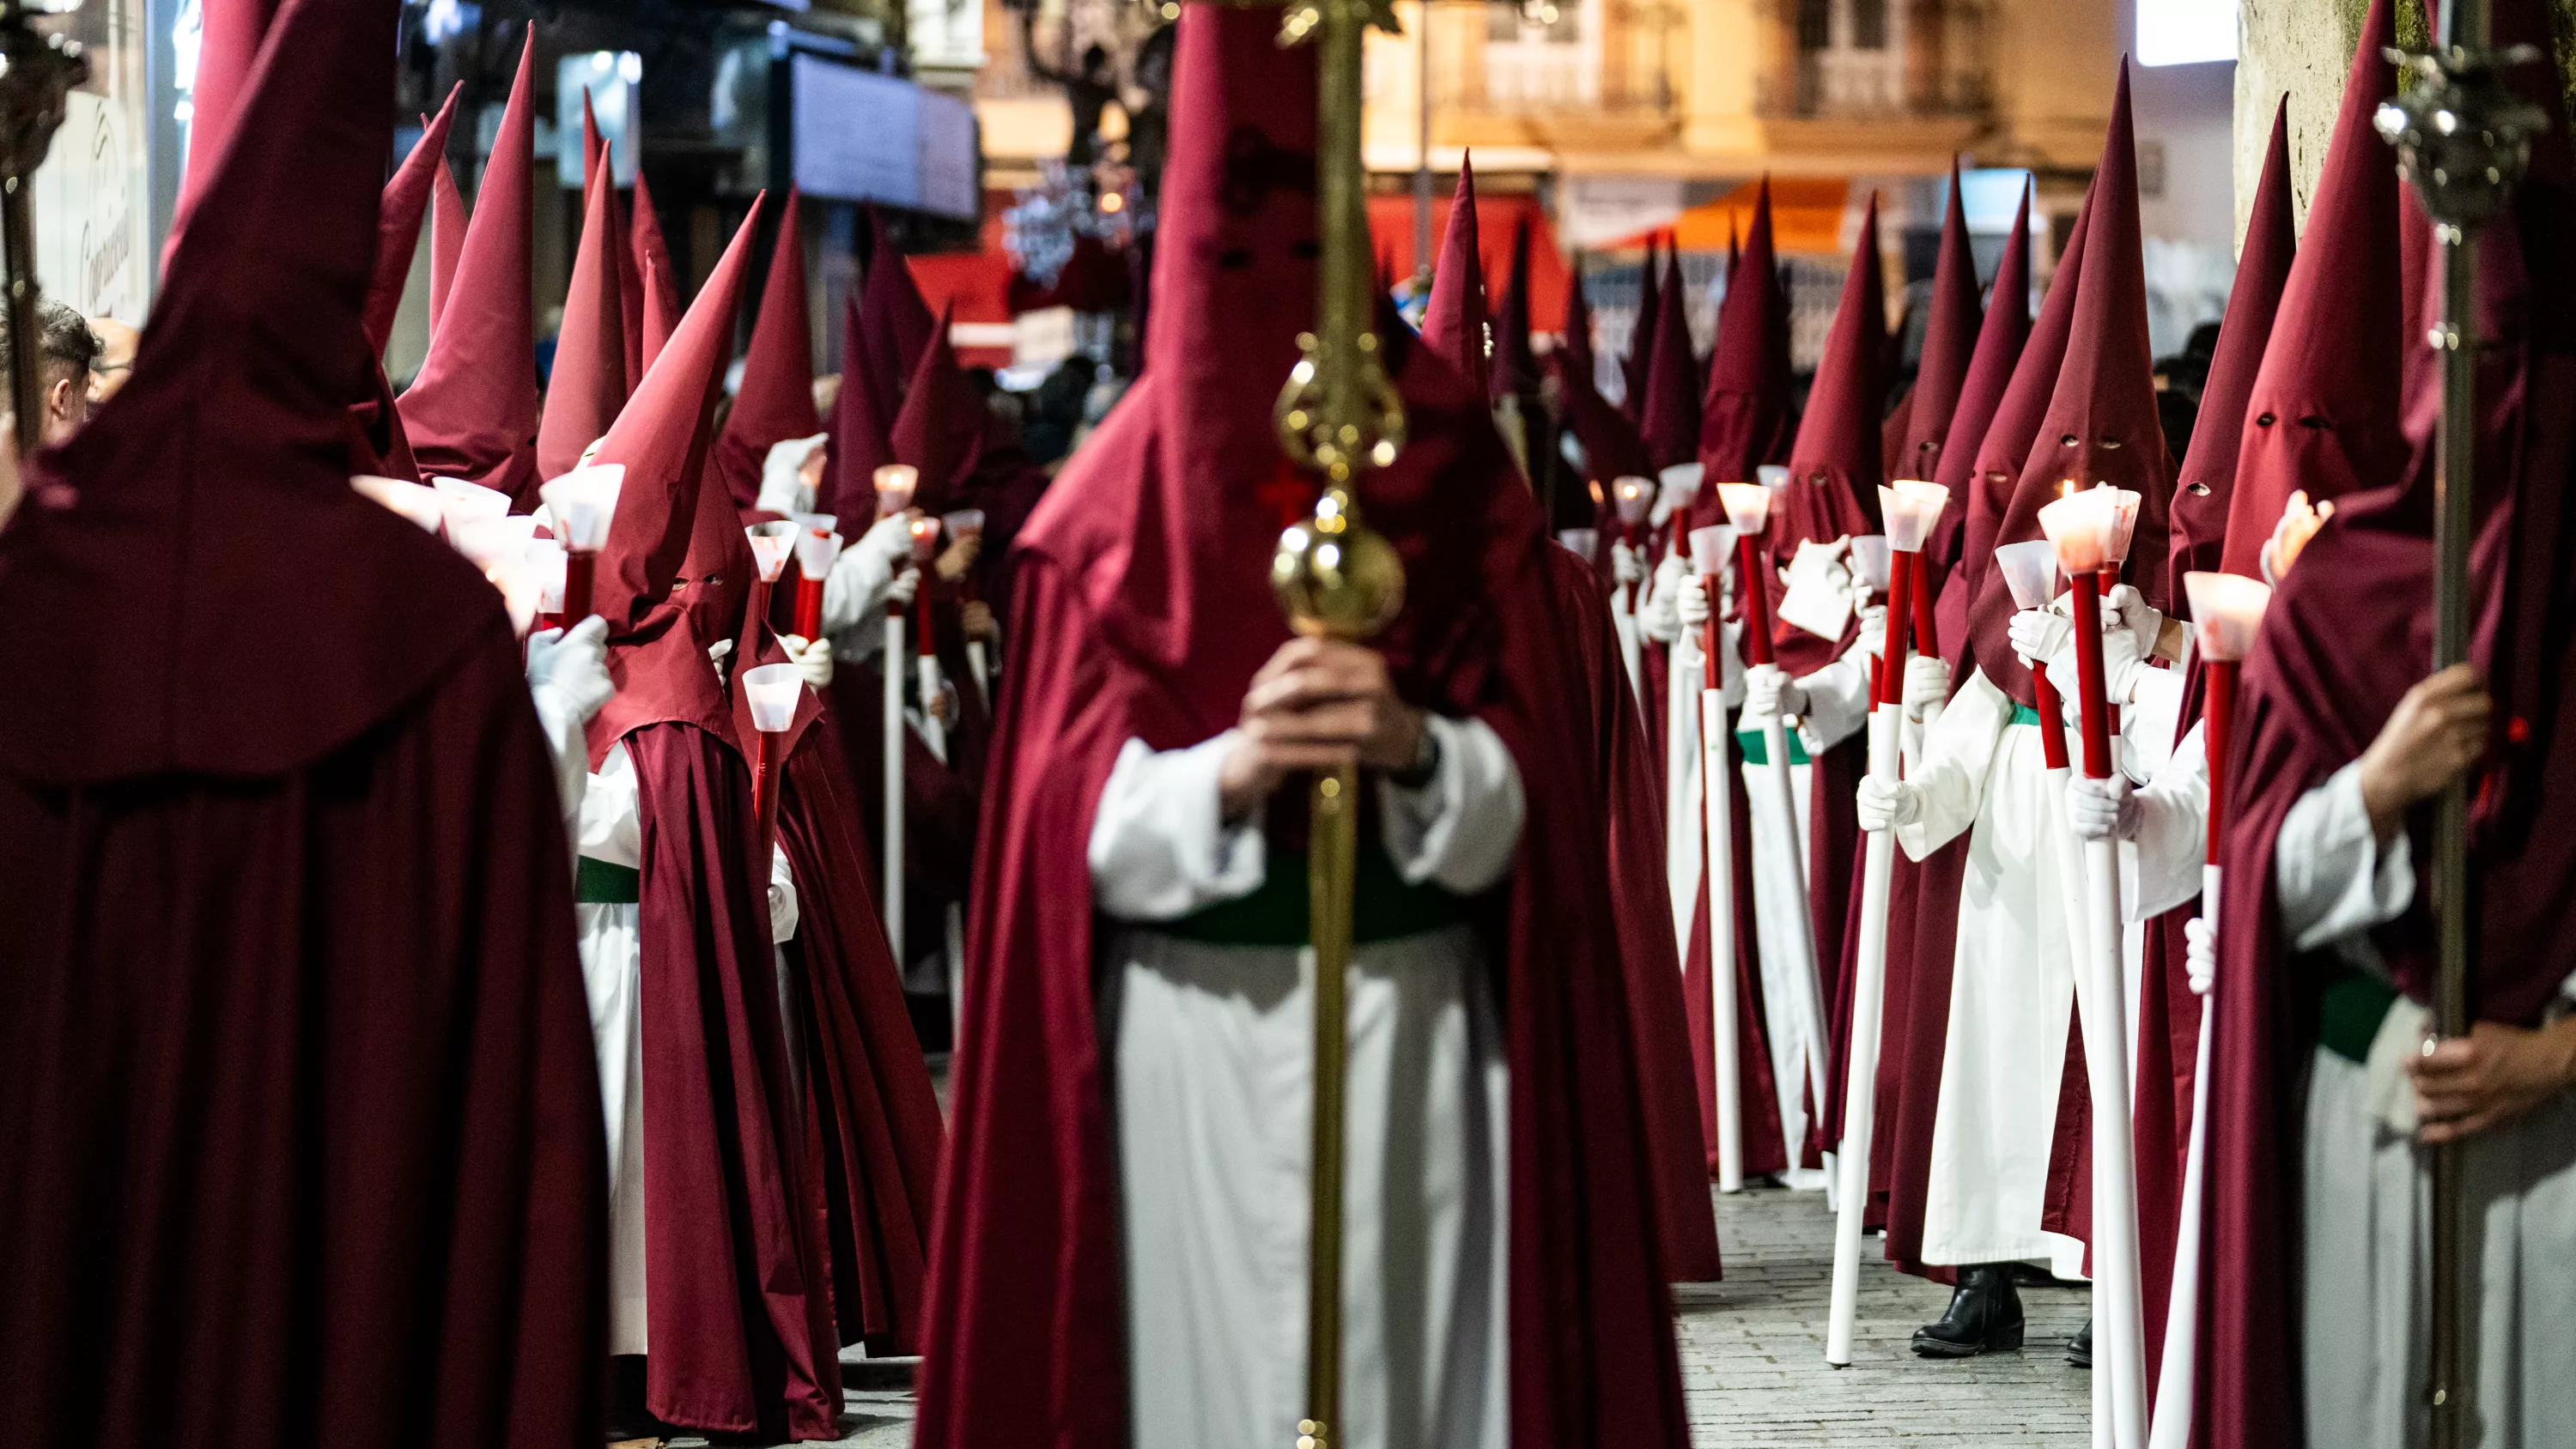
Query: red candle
[(926, 640), (1901, 571), (2090, 698), (580, 567), (2052, 719), (1757, 599), (764, 790), (809, 605), (1927, 629)]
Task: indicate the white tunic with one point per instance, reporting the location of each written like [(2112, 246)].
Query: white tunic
[(1685, 816), (1214, 1088), (2365, 1317), (2012, 986), (612, 966)]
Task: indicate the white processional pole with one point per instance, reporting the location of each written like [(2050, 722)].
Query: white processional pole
[(2227, 610), (1748, 508), (895, 483), (2084, 526), (1709, 548), (1908, 510)]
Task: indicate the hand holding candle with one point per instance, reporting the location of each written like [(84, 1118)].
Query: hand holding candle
[(583, 503), (2080, 525)]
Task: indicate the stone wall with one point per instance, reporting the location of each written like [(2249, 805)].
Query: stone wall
[(2304, 48)]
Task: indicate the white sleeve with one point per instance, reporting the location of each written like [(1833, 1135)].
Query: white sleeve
[(1837, 700), (1730, 661), (2147, 723), (611, 830), (2334, 880), (782, 897), (1461, 829), (1958, 755), (854, 592), (568, 746), (2160, 867), (1161, 848)]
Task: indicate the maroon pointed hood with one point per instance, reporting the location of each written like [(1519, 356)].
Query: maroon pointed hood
[(859, 432), (1515, 371), (211, 498), (1668, 419), (1950, 332), (2101, 425), (630, 275), (1454, 323), (940, 428), (1834, 468), (1641, 337), (894, 322), (589, 386), (1573, 352), (658, 282), (229, 37), (1744, 420), (471, 413), (665, 595), (447, 223), (2205, 484), (2323, 416), (406, 201), (776, 399), (1991, 368)]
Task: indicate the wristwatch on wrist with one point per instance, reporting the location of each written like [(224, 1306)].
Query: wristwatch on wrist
[(1426, 761)]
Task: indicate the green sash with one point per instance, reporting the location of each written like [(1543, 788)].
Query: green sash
[(1384, 906), (1756, 753), (603, 884)]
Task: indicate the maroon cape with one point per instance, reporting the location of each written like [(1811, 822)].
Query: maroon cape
[(303, 1126), (1656, 1013)]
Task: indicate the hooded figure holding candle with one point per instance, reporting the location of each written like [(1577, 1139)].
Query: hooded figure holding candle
[(717, 1261), (2326, 1092), (1132, 1085), (302, 1101), (1988, 770)]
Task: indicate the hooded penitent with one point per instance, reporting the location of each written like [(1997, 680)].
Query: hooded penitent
[(1454, 322), (1744, 421), (859, 442), (1622, 751), (1515, 372), (738, 1310), (894, 322), (1922, 943), (589, 386), (1950, 332), (471, 413), (230, 33), (406, 202), (1142, 611), (1834, 468), (302, 1092), (776, 399), (2347, 633), (615, 236), (1609, 441), (2323, 416)]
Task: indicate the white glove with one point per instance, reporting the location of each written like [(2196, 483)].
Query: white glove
[(1887, 804), (1872, 619), (2039, 635), (717, 653), (812, 658), (1657, 617), (2126, 608), (1927, 685), (857, 585), (783, 908), (1690, 603), (1625, 566), (2101, 809), (784, 485), (571, 665), (1771, 692), (2200, 953), (905, 587)]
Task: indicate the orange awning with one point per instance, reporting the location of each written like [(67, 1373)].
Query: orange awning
[(1806, 216)]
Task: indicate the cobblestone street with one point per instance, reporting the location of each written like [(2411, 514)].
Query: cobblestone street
[(1753, 1355)]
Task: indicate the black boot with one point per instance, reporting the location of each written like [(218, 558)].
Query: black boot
[(2079, 1349), (1984, 1316)]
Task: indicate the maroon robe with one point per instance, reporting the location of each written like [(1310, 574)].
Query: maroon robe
[(303, 1127)]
